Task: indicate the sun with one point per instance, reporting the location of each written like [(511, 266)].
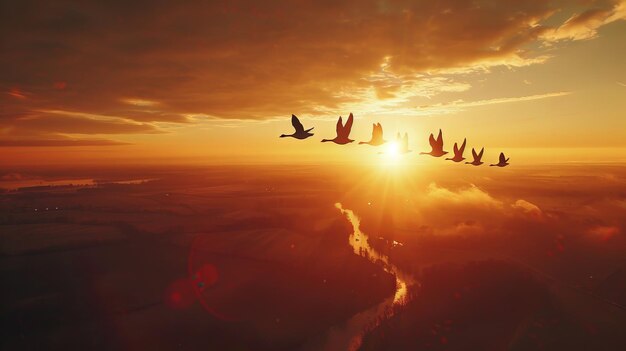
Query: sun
[(390, 157), (392, 150)]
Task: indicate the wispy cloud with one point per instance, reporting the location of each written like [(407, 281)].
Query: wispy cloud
[(16, 93), (140, 102), (86, 115), (57, 122), (585, 25), (59, 142), (460, 104)]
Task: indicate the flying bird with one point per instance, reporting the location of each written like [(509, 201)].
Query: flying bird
[(377, 136), (404, 143), (458, 152), (300, 133), (343, 132), (503, 161), (436, 146), (477, 157)]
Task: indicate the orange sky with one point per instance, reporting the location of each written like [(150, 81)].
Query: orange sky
[(205, 83)]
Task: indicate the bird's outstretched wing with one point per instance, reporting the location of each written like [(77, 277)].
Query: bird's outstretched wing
[(295, 122), (440, 139), (462, 148), (474, 155), (377, 133), (502, 158), (455, 148), (432, 141), (339, 126), (348, 127), (480, 155)]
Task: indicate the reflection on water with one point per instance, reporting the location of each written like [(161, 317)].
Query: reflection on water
[(349, 337), (360, 245)]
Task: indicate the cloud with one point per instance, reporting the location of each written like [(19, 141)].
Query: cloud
[(147, 62), (471, 196), (72, 123), (140, 102), (585, 25), (250, 60), (604, 232), (59, 142), (470, 210), (60, 128), (460, 104), (17, 93), (528, 208)]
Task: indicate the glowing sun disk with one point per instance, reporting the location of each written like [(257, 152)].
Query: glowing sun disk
[(392, 149)]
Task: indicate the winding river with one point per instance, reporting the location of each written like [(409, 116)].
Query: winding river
[(350, 335)]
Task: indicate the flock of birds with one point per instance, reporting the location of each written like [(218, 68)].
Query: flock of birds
[(436, 144)]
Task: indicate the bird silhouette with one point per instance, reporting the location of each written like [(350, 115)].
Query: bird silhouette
[(436, 146), (404, 143), (503, 161), (300, 133), (343, 132), (477, 157), (458, 152), (377, 136)]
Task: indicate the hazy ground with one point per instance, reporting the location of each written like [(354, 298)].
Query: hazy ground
[(257, 257)]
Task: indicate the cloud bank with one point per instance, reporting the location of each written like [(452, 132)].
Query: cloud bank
[(143, 62)]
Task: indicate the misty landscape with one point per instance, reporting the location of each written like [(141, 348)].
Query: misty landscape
[(245, 258)]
